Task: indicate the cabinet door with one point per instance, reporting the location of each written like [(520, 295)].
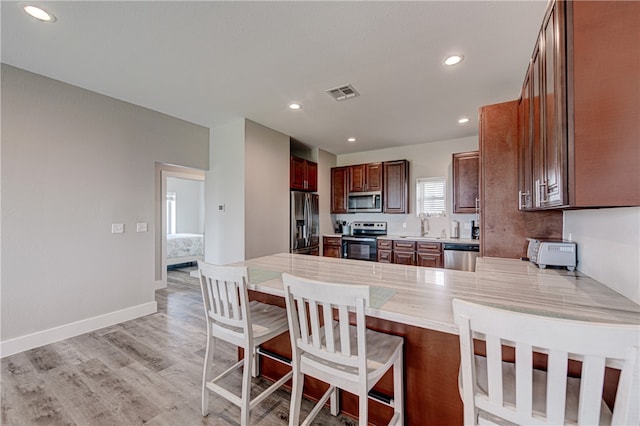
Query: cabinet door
[(312, 176), (404, 257), (330, 251), (466, 172), (297, 173), (373, 177), (357, 178), (430, 260), (395, 194), (537, 127), (525, 152), (339, 187), (553, 123)]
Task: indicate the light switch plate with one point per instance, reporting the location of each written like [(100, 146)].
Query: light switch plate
[(117, 228), (141, 227)]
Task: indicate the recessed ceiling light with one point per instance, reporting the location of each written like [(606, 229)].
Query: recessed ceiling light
[(463, 120), (453, 59), (295, 106), (351, 139), (40, 14)]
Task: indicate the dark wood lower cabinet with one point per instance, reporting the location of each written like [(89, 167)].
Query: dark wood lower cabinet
[(332, 247), (429, 254)]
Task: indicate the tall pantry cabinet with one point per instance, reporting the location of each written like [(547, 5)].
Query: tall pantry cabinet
[(503, 228)]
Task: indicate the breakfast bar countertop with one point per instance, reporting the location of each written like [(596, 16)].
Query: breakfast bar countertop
[(421, 297)]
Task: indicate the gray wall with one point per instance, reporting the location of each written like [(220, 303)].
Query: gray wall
[(73, 163), (249, 176), (266, 191)]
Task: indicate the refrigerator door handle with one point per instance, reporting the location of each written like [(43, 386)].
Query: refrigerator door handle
[(307, 220)]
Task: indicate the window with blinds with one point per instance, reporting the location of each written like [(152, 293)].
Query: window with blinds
[(431, 196)]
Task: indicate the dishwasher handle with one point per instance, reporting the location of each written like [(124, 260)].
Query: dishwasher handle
[(461, 247)]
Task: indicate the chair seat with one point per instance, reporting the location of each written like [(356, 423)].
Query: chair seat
[(267, 322), (382, 350), (539, 392)]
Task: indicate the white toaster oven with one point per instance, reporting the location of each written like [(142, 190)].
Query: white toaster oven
[(552, 253)]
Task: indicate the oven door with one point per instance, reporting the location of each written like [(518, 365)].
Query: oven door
[(360, 248)]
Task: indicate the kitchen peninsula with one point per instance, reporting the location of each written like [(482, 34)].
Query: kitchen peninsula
[(415, 302)]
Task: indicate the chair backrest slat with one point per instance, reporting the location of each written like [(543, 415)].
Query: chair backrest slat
[(524, 379), (314, 318), (494, 369), (592, 380), (597, 345), (345, 339), (557, 364), (327, 312)]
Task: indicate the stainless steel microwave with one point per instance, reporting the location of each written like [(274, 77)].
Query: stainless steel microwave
[(365, 202)]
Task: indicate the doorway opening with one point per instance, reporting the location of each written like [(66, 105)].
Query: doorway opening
[(182, 216)]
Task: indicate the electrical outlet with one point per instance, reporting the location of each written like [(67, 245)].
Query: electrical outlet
[(220, 207), (404, 224), (117, 228), (141, 227)]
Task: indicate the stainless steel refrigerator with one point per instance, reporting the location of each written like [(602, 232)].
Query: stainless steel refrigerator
[(305, 224)]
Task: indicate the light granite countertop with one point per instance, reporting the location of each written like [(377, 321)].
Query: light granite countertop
[(422, 296)]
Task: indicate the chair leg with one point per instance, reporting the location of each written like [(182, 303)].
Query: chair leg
[(206, 373), (363, 407), (246, 386), (296, 396), (255, 365), (398, 391), (334, 402)]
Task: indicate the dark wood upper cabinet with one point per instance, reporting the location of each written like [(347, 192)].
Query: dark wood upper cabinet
[(466, 173), (365, 177), (303, 174), (339, 188), (579, 109), (395, 194)]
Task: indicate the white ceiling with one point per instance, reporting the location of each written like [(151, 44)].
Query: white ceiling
[(212, 62)]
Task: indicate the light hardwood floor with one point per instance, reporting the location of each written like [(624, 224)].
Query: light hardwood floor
[(144, 371)]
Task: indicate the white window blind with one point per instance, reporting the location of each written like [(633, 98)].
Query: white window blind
[(431, 196)]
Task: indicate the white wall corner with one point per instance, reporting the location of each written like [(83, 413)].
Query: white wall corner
[(55, 334)]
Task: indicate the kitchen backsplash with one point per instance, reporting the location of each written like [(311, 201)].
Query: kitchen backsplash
[(409, 224)]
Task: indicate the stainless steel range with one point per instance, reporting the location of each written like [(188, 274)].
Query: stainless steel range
[(362, 243)]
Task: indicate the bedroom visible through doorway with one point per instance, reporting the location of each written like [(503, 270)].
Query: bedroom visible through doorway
[(183, 217)]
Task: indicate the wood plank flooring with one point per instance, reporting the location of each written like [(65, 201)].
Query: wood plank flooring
[(144, 371)]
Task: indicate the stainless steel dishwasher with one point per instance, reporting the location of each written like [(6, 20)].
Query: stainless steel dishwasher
[(460, 256)]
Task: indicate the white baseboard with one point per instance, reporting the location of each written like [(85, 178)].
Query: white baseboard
[(44, 337), (160, 284)]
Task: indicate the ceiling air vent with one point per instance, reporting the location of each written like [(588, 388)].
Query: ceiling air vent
[(343, 92)]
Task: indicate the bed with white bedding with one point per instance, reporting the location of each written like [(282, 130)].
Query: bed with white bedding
[(184, 248)]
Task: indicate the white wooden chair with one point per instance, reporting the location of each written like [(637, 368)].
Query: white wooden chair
[(346, 357), (494, 390), (232, 318)]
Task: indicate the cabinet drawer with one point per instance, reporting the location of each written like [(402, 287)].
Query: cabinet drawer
[(385, 244), (332, 241), (404, 245), (385, 256), (429, 246)]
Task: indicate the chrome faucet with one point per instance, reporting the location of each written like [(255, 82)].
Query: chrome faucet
[(424, 219)]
